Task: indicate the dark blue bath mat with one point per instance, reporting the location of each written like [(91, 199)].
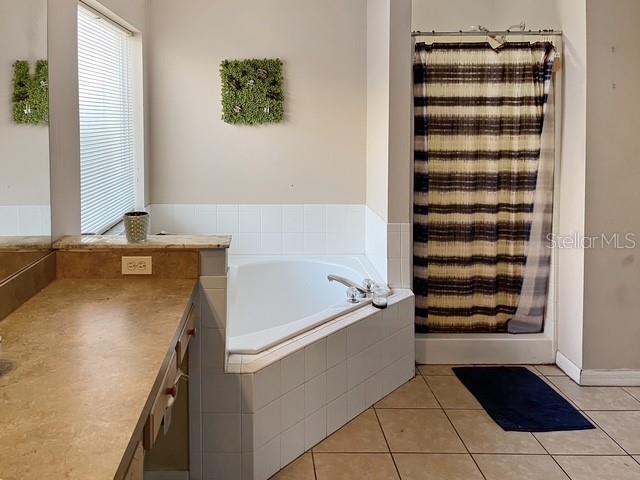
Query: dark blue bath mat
[(518, 400)]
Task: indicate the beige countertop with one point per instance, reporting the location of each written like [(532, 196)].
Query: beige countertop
[(87, 355), (97, 242)]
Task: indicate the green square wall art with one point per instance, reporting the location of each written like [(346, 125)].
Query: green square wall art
[(31, 93), (252, 91)]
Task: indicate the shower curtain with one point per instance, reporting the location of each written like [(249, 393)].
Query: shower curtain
[(482, 189)]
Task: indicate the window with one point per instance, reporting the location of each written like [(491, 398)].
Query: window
[(107, 150)]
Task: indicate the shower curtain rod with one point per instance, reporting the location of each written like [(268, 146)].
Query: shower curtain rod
[(483, 33)]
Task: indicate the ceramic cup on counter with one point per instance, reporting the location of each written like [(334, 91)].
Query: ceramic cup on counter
[(136, 226)]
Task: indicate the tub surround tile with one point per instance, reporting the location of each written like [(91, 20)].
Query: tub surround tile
[(221, 433), (336, 414), (336, 381), (293, 407), (221, 392), (267, 459), (345, 466), (336, 348), (266, 385), (222, 465), (306, 378), (315, 394), (433, 466), (315, 428), (292, 443), (154, 242), (293, 370), (315, 359)]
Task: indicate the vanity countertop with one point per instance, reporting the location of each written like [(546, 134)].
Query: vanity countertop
[(100, 242), (87, 355)]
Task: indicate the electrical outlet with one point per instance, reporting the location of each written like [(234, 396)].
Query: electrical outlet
[(136, 265)]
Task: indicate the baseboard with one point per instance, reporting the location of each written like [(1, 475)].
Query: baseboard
[(166, 475), (610, 378), (567, 366), (480, 348)]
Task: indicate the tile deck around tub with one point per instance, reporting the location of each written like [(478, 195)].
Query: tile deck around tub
[(387, 441)]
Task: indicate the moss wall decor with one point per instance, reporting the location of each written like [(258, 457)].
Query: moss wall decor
[(252, 91), (31, 93)]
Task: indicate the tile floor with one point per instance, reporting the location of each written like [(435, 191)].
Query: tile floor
[(431, 428)]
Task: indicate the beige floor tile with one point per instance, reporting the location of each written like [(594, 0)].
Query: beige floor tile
[(362, 434), (550, 370), (299, 469), (429, 466), (413, 394), (419, 430), (519, 467), (623, 427), (436, 370), (579, 442), (354, 466), (482, 435), (451, 393), (599, 468), (595, 398), (635, 391)]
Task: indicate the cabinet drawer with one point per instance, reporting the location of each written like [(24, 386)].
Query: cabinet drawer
[(165, 399), (188, 332)]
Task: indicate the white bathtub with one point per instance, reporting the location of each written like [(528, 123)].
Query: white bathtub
[(272, 299)]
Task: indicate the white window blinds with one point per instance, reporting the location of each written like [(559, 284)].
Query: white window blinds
[(107, 158)]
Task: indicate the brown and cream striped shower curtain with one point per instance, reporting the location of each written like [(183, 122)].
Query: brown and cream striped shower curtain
[(482, 194)]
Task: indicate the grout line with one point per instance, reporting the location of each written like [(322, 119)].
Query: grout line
[(552, 457), (393, 459), (455, 429), (604, 431), (313, 463)]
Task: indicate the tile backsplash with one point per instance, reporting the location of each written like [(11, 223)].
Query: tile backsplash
[(270, 229), (315, 229)]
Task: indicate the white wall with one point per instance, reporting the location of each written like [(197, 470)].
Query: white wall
[(24, 149), (611, 327), (571, 201), (317, 155), (378, 32), (454, 15)]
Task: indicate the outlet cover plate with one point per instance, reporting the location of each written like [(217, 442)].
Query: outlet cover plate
[(136, 266)]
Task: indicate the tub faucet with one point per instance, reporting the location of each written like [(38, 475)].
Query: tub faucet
[(348, 283)]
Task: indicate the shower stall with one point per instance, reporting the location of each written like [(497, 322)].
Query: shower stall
[(485, 169)]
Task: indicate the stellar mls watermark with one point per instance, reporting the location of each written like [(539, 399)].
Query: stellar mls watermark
[(580, 241)]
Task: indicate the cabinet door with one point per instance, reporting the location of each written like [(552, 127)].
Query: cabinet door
[(136, 467)]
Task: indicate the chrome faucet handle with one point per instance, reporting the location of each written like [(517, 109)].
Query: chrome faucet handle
[(368, 284), (353, 294)]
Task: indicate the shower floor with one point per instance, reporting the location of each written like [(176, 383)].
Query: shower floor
[(432, 428)]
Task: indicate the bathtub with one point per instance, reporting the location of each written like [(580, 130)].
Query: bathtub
[(274, 298)]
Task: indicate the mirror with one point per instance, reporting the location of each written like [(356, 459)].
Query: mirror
[(25, 220)]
